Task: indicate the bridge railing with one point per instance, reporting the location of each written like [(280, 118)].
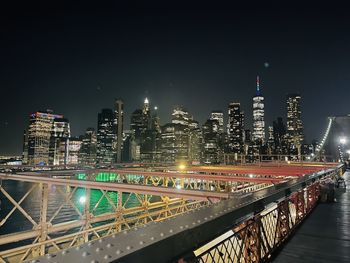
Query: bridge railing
[(97, 209), (271, 159), (247, 229)]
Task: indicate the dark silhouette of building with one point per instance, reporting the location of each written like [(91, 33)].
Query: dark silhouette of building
[(105, 138)]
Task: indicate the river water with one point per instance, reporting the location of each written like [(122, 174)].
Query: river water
[(18, 222)]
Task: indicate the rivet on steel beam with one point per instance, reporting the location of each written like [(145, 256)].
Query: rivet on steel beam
[(64, 252), (113, 236), (93, 261), (141, 242), (90, 244), (100, 241), (205, 218), (129, 247), (98, 249), (186, 226), (171, 231), (161, 234), (85, 253), (77, 248), (118, 252), (125, 232), (152, 238), (109, 245), (107, 257), (181, 227), (198, 221)]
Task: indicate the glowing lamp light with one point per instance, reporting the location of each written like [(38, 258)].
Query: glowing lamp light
[(82, 199), (251, 175), (155, 108), (348, 151), (182, 167), (342, 140), (178, 186)]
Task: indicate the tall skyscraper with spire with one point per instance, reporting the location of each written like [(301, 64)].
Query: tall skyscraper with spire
[(146, 113), (258, 135)]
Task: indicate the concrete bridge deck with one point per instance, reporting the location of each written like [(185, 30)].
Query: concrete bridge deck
[(325, 234)]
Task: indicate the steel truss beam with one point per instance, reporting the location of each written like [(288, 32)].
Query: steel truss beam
[(152, 205), (176, 238)]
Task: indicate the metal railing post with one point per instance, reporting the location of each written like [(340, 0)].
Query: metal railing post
[(87, 213), (43, 216)]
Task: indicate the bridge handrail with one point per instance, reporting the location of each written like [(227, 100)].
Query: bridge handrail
[(182, 234)]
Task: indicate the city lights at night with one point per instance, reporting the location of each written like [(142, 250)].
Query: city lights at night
[(174, 132)]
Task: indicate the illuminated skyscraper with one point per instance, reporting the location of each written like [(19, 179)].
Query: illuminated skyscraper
[(74, 145), (211, 136), (180, 116), (195, 142), (271, 141), (258, 135), (118, 127), (87, 153), (178, 138), (235, 128), (25, 148), (219, 116), (39, 135), (295, 134), (105, 138), (146, 113), (60, 135), (136, 124), (153, 135), (279, 134)]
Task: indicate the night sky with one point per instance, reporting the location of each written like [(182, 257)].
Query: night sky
[(75, 59)]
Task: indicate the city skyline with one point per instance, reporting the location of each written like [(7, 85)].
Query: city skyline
[(226, 117), (74, 60)]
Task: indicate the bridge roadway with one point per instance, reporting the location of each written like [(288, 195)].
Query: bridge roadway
[(324, 236)]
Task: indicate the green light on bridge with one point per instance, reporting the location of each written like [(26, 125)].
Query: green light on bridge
[(110, 177)]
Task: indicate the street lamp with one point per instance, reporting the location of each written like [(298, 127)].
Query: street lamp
[(182, 166), (342, 140)]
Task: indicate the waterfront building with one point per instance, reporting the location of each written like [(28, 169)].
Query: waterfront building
[(39, 135)]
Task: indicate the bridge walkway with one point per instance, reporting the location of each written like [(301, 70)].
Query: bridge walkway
[(325, 234)]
